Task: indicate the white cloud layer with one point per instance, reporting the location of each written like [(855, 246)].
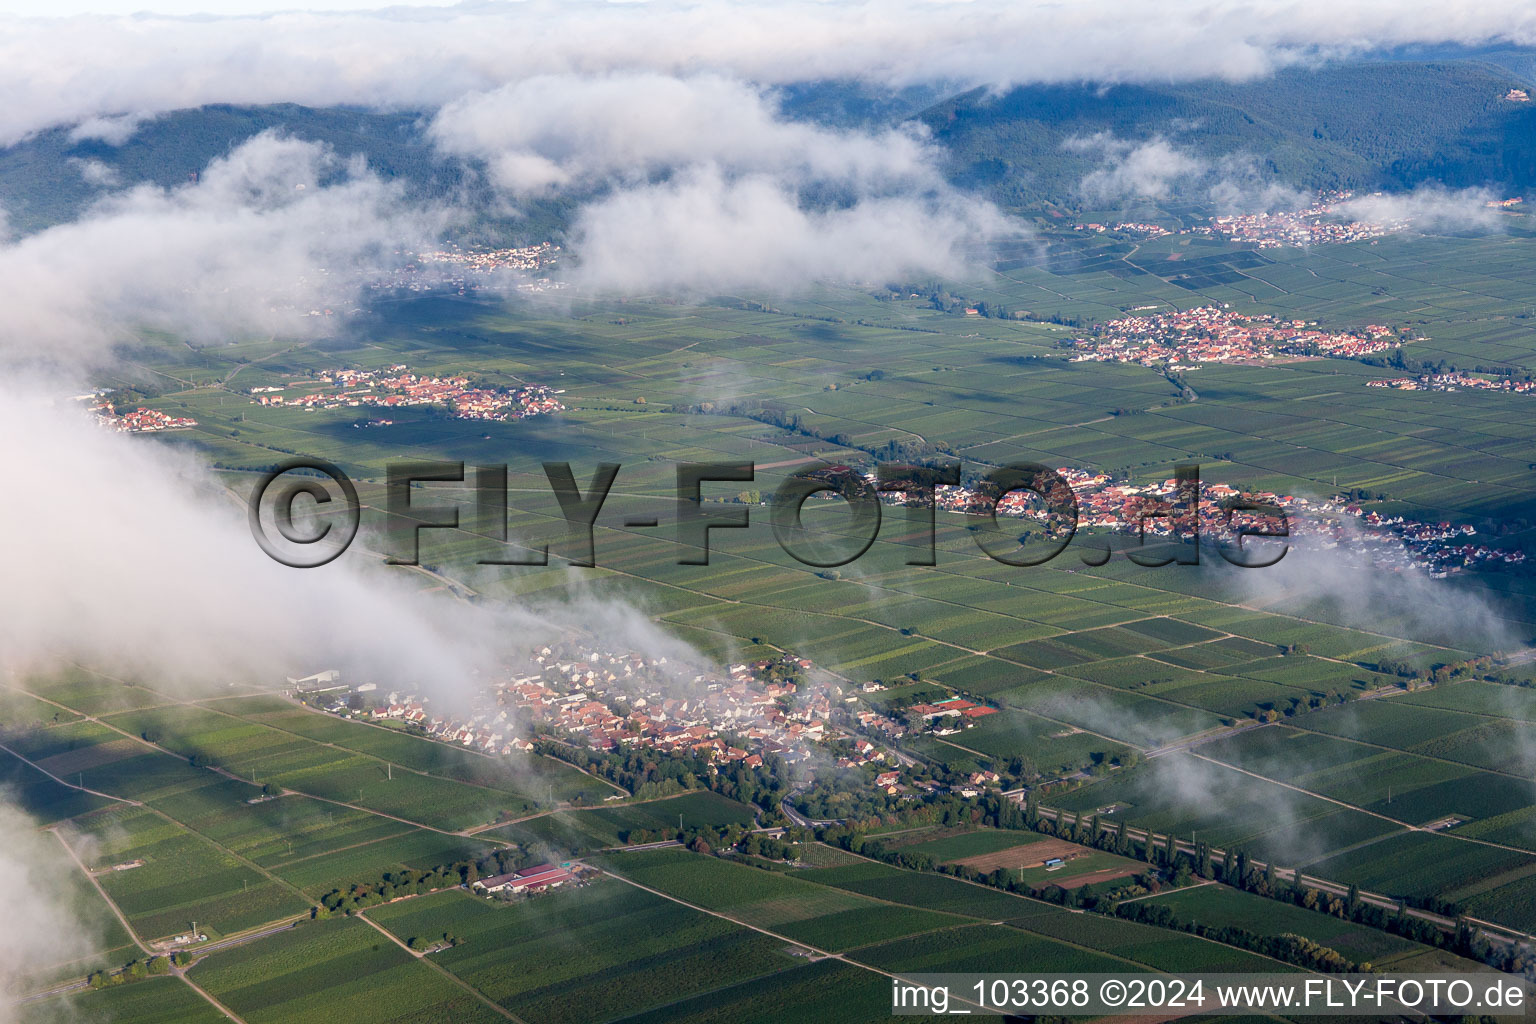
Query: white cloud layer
[(61, 71), (130, 557), (276, 229), (702, 231), (1151, 169), (44, 927), (1432, 209), (563, 130)]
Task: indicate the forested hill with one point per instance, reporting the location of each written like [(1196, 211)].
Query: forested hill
[(1376, 124)]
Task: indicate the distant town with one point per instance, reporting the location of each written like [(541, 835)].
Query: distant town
[(138, 421), (1322, 222), (398, 387), (465, 269), (1215, 334), (576, 694), (1339, 522), (1455, 382)]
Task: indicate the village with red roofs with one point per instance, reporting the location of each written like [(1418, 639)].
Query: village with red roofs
[(1214, 334), (398, 387)]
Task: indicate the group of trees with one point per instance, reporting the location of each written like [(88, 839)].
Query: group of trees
[(649, 774), (136, 970), (1293, 949), (1445, 672), (1396, 360), (407, 882)]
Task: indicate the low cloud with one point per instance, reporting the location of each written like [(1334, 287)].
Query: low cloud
[(1432, 209), (559, 131), (114, 130), (1349, 584), (703, 231), (44, 927), (173, 588), (701, 184), (1160, 168), (1153, 169), (1242, 188), (94, 172), (276, 230)]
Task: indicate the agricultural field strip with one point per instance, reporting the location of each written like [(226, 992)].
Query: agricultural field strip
[(203, 705), (123, 920), (205, 702), (440, 969), (1415, 753), (226, 1011), (1408, 826), (1499, 932), (476, 830), (235, 778), (1320, 482), (1023, 927), (1162, 892), (993, 654), (821, 953), (117, 911), (1357, 808), (243, 860), (658, 356), (1152, 655), (152, 810), (70, 785), (1349, 427)]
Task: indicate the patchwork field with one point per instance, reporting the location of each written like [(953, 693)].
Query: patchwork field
[(1424, 794)]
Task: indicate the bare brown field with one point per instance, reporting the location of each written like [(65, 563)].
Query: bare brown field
[(1030, 855)]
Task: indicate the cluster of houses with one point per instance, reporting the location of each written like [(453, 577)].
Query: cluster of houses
[(140, 420), (1455, 382), (525, 258), (398, 387), (741, 715), (617, 701), (1127, 228), (889, 782), (1319, 223), (1215, 334), (1439, 548), (465, 270), (622, 701)]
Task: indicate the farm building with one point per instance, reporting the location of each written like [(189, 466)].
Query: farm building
[(531, 879)]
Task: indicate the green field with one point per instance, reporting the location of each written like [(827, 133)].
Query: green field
[(1088, 665), (592, 953), (151, 1001), (364, 976)]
